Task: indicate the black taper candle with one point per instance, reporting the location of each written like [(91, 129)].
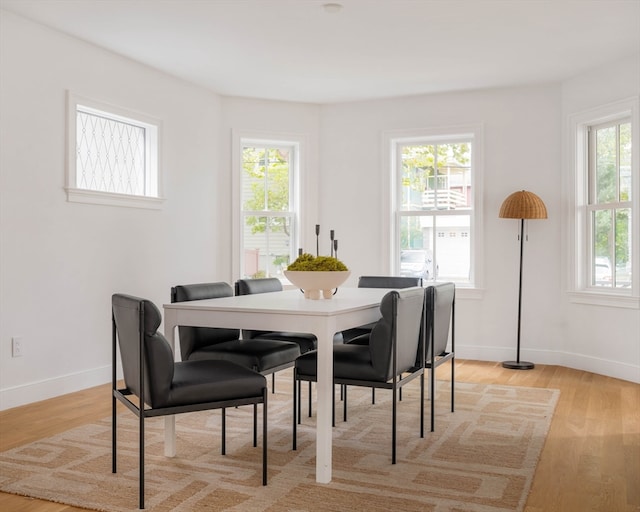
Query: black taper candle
[(317, 240), (332, 235), (335, 248)]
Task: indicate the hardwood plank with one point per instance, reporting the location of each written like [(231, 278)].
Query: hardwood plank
[(590, 461)]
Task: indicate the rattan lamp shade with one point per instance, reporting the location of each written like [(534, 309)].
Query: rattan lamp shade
[(523, 205)]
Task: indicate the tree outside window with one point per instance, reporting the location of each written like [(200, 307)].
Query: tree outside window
[(610, 204), (435, 203), (268, 216)]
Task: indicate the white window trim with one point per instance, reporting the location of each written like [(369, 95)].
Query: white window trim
[(240, 136), (577, 252), (153, 151), (389, 158)]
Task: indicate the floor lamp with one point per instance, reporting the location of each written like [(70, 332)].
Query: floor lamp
[(521, 205)]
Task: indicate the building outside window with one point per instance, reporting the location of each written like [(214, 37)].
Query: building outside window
[(434, 208)]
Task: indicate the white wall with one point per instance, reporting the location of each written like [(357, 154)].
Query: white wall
[(522, 150), (273, 118), (59, 261), (600, 339)]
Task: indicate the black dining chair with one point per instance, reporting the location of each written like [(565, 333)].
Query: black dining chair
[(265, 356), (160, 386), (355, 335), (306, 341), (387, 361), (391, 282), (440, 312)]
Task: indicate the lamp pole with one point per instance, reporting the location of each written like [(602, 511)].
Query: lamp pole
[(517, 364)]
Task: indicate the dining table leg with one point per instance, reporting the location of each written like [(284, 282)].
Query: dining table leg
[(170, 421), (324, 385)]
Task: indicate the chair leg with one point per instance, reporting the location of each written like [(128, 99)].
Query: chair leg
[(344, 405), (264, 437), (141, 448), (373, 396), (310, 397), (422, 405), (223, 427), (299, 403), (255, 425), (296, 398), (113, 433), (453, 359), (333, 406), (432, 385), (273, 382), (393, 426)]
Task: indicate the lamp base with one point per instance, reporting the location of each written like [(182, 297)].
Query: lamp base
[(518, 365)]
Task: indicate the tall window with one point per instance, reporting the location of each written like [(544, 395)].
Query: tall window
[(113, 155), (610, 204), (268, 198), (604, 256), (434, 208)]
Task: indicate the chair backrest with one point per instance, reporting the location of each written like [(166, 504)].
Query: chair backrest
[(136, 322), (398, 330), (262, 285), (440, 310), (251, 286), (396, 282), (194, 338)]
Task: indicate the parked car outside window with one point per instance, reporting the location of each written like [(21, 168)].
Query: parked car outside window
[(417, 263)]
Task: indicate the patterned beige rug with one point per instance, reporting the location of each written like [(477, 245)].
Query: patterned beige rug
[(481, 458)]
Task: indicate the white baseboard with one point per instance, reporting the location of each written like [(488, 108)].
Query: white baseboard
[(42, 390), (607, 367), (49, 388)]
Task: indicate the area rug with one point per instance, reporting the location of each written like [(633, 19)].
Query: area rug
[(480, 458)]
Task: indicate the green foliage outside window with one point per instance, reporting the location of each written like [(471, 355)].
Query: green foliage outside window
[(613, 184)]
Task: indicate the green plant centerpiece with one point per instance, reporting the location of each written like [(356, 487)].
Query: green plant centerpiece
[(317, 276), (309, 263)]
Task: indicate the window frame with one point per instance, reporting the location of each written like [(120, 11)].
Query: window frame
[(240, 138), (580, 189), (153, 169), (436, 135)]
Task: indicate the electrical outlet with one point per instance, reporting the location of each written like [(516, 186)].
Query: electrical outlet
[(17, 347)]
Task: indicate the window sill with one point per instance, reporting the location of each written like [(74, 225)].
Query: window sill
[(604, 299), (77, 195)]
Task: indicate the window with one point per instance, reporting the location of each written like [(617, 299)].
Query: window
[(268, 198), (609, 205), (434, 203), (605, 178), (113, 155)]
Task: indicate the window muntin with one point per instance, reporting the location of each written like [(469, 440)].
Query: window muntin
[(113, 155), (434, 206), (268, 213), (609, 205)]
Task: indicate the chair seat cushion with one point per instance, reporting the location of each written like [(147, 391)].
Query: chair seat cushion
[(306, 342), (350, 361), (260, 355), (356, 332), (362, 339), (211, 381)]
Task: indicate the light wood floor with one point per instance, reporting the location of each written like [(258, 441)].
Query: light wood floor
[(590, 461)]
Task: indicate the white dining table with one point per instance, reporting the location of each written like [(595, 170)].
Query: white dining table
[(284, 311)]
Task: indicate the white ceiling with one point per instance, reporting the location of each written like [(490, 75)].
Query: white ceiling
[(294, 50)]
